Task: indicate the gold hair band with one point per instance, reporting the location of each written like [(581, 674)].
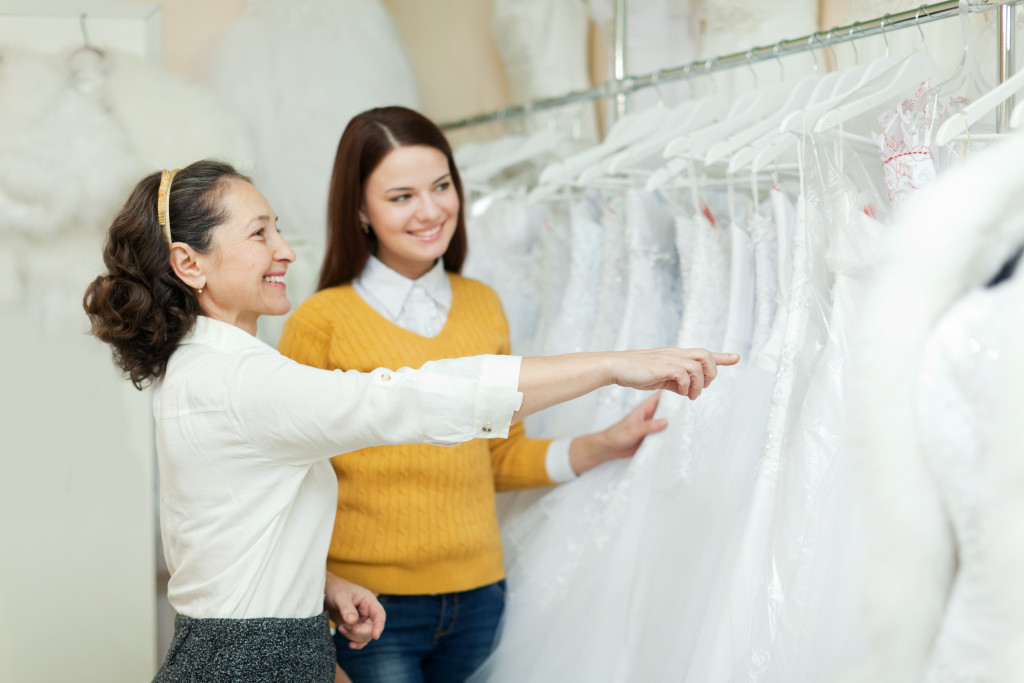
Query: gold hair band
[(163, 199)]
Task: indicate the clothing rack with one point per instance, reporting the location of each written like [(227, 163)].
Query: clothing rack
[(619, 87)]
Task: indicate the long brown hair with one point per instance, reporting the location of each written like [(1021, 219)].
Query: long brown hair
[(367, 139), (140, 307)]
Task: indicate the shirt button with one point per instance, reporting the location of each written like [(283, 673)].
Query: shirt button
[(385, 377), (486, 429)]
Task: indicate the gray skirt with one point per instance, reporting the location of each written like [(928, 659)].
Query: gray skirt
[(249, 651)]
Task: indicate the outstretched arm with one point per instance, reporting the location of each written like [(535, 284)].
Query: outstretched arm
[(548, 380)]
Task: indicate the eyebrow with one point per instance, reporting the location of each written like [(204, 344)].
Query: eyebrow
[(264, 217), (406, 189)]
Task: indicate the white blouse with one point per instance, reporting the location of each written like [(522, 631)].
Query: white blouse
[(422, 306), (244, 436)]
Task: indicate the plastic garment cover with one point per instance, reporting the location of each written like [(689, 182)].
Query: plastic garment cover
[(788, 620)]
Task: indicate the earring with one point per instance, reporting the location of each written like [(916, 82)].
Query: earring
[(366, 228), (199, 291)]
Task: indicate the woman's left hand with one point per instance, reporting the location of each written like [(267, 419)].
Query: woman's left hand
[(621, 440), (355, 611)]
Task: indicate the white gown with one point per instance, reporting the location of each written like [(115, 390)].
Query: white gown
[(77, 131), (295, 72)]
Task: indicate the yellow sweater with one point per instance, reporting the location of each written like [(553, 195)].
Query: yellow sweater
[(416, 519)]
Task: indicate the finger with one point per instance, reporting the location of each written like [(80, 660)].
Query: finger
[(378, 616), (649, 406), (652, 426), (707, 363), (681, 383), (725, 358), (696, 373)]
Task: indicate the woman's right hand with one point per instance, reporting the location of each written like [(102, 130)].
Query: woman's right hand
[(548, 380), (684, 371)]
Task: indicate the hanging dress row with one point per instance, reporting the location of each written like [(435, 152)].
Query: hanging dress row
[(730, 547)]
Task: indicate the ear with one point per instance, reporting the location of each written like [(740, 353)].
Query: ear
[(186, 265), (363, 216)]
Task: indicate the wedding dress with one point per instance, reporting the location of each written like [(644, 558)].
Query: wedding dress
[(77, 132), (621, 565)]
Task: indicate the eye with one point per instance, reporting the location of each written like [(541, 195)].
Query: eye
[(260, 233), (399, 198), (443, 187)]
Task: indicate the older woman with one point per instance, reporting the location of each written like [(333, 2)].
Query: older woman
[(244, 435)]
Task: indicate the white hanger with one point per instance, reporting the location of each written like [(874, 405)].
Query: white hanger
[(541, 142), (797, 97), (976, 110), (691, 114), (901, 79), (625, 131), (829, 91)]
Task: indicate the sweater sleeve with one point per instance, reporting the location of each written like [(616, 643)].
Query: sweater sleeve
[(306, 339), (518, 462)]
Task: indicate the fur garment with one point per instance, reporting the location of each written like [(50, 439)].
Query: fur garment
[(951, 238)]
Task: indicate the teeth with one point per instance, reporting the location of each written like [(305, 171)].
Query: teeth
[(428, 233), (274, 278)]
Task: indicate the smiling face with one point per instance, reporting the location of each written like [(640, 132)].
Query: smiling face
[(413, 208), (244, 271)]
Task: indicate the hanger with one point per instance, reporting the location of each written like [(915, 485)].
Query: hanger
[(827, 91), (967, 66), (796, 97), (86, 47), (539, 143), (892, 84), (979, 108), (684, 116)]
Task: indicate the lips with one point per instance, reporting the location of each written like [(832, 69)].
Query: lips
[(428, 233)]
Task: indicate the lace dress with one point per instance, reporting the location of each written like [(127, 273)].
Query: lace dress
[(651, 310), (503, 253), (766, 281)]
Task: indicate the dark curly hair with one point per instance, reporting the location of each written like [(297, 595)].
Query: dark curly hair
[(367, 139), (140, 307)]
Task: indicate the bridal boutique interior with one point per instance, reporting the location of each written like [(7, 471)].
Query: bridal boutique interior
[(825, 186)]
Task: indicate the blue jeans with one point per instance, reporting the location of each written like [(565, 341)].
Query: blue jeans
[(428, 638)]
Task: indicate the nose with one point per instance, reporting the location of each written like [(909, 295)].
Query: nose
[(283, 251), (429, 210)]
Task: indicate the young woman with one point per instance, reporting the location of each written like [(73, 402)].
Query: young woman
[(244, 434), (417, 523)]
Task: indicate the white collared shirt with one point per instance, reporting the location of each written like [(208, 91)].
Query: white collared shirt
[(422, 306), (244, 437)]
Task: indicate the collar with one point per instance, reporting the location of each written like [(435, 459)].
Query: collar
[(392, 289), (220, 335)]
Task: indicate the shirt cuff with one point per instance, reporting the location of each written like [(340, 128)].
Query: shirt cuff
[(500, 395), (557, 461)]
